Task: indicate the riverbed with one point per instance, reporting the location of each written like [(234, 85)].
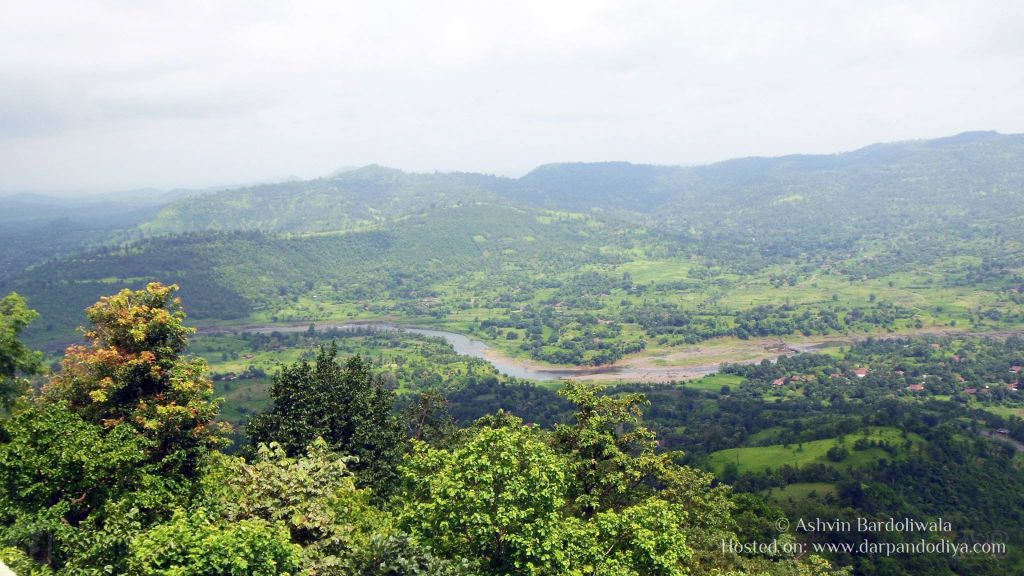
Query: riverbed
[(462, 344), (677, 365)]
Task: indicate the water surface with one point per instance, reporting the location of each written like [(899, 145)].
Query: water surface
[(462, 344)]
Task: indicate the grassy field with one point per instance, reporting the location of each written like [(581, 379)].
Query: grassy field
[(714, 382), (800, 491), (760, 458), (1005, 410)]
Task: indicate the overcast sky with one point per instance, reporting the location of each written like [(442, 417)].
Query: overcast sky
[(116, 95)]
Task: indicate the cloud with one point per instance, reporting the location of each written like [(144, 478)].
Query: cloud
[(100, 95)]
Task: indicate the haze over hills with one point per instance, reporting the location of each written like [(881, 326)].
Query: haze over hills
[(891, 192), (968, 162), (878, 212)]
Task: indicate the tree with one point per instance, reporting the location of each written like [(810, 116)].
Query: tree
[(497, 497), (313, 496), (196, 544), (837, 453), (613, 453), (62, 480), (346, 405), (133, 372), (429, 420), (114, 442), (16, 360)]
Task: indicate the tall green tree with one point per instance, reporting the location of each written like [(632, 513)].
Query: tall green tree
[(343, 403), (16, 360), (501, 496), (134, 372), (114, 443), (497, 497), (61, 480), (614, 455)]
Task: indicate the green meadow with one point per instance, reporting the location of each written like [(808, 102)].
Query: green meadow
[(761, 458)]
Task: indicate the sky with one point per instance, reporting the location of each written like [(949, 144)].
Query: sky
[(105, 96)]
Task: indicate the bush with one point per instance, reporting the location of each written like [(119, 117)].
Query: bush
[(195, 545), (837, 453)]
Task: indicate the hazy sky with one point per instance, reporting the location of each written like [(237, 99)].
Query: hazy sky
[(115, 95)]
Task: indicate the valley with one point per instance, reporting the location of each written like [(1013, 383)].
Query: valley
[(511, 289), (672, 365), (828, 335)]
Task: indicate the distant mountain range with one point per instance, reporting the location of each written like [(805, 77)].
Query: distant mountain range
[(877, 209), (961, 170)]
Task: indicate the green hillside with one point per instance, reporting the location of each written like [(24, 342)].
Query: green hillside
[(888, 204), (588, 263), (231, 275), (345, 201), (893, 203)]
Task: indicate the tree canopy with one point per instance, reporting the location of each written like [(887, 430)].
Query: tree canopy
[(16, 360), (114, 468), (346, 405)]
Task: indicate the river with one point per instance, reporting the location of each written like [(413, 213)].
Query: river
[(462, 344), (681, 364)]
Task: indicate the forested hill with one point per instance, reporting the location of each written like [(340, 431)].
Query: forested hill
[(971, 174), (918, 201), (393, 267), (922, 219), (344, 201), (888, 206), (974, 162), (760, 209), (605, 185)]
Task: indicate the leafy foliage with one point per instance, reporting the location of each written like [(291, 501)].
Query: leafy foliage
[(345, 405), (133, 373), (193, 544), (313, 496), (61, 479), (497, 497), (16, 360)]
